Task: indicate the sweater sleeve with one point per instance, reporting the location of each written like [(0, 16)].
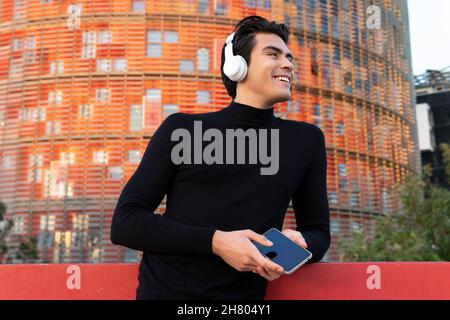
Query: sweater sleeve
[(135, 224), (310, 201)]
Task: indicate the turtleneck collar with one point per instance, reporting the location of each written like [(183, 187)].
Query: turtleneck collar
[(248, 114)]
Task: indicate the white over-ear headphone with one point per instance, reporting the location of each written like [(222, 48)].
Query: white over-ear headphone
[(234, 67)]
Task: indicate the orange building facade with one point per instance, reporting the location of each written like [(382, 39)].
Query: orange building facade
[(84, 84)]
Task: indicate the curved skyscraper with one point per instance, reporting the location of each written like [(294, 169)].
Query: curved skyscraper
[(84, 84)]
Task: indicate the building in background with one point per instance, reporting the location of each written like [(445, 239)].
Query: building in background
[(83, 86), (433, 119)]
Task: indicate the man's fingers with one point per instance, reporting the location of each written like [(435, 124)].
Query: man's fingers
[(262, 272), (262, 261), (258, 238), (268, 264), (295, 236), (303, 242), (269, 275)]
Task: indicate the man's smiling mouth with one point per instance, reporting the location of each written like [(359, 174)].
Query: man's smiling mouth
[(282, 78)]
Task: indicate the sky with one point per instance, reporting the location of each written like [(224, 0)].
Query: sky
[(429, 27)]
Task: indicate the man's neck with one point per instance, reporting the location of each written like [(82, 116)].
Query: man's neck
[(252, 101)]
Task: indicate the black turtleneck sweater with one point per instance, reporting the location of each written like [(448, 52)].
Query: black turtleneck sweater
[(177, 260)]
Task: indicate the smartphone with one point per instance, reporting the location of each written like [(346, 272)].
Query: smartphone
[(284, 251)]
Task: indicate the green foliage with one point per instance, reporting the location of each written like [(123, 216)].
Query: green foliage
[(28, 252), (5, 228), (445, 148), (419, 232)]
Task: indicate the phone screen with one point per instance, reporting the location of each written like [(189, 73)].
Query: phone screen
[(284, 251)]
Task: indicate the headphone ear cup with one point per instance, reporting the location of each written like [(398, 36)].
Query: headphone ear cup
[(235, 68), (242, 68), (231, 67)]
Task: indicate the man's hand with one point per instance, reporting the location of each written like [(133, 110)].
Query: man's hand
[(236, 249), (295, 236)]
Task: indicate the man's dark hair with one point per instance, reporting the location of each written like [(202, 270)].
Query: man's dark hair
[(244, 42)]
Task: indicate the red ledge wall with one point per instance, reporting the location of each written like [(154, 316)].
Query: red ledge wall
[(361, 281)]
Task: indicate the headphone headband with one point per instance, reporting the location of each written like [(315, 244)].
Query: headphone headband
[(230, 38)]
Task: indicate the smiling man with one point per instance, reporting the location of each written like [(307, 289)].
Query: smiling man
[(201, 247)]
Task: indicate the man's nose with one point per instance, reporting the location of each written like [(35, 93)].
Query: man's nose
[(287, 64)]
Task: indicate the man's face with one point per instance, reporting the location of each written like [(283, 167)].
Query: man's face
[(265, 64)]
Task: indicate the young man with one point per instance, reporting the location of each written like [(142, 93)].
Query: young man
[(201, 247)]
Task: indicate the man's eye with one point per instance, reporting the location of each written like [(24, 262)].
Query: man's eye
[(272, 54)]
